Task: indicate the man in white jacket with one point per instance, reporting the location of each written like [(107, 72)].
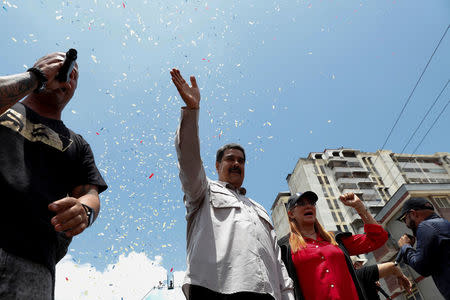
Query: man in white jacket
[(232, 250)]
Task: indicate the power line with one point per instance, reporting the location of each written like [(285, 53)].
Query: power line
[(412, 92), (418, 145), (420, 124)]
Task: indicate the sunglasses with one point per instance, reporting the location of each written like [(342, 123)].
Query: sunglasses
[(403, 218), (304, 202)]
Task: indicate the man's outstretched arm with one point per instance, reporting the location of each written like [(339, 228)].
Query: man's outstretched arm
[(187, 144)]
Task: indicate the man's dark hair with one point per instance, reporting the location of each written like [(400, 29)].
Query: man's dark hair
[(222, 149)]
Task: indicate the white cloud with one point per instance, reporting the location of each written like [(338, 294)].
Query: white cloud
[(132, 277)]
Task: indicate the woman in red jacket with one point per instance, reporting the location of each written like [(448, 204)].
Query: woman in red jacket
[(319, 262)]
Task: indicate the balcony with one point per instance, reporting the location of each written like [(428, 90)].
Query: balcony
[(335, 161), (368, 194), (359, 172), (375, 203), (350, 190), (344, 180), (341, 172), (365, 182)]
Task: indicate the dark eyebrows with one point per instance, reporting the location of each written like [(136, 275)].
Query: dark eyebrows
[(232, 156)]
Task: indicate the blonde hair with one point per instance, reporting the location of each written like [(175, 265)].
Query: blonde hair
[(296, 239)]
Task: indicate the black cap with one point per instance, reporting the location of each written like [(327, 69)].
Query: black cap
[(415, 204), (297, 196)]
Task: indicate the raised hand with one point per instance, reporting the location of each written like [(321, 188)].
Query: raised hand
[(350, 199), (190, 95), (50, 65)]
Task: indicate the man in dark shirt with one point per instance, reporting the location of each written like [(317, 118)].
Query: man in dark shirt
[(368, 276), (432, 253), (49, 181)]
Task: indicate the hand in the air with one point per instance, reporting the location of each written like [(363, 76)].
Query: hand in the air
[(190, 95)]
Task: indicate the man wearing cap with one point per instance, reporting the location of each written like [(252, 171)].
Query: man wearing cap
[(432, 253), (232, 250)]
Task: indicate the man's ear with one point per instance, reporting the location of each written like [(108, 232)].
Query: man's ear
[(217, 166)]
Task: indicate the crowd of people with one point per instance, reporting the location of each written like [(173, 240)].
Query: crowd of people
[(51, 188)]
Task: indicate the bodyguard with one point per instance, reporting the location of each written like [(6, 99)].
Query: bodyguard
[(48, 178), (432, 254)]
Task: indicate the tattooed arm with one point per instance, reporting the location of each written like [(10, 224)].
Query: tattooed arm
[(15, 87), (70, 214)]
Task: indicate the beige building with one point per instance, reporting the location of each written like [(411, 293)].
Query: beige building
[(376, 177), (373, 176)]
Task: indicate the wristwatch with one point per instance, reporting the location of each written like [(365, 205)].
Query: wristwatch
[(90, 213)]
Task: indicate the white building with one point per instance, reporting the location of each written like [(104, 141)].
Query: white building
[(378, 178)]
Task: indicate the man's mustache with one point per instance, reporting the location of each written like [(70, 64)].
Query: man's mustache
[(232, 169)]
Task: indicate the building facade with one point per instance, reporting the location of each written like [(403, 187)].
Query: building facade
[(383, 180), (373, 176)]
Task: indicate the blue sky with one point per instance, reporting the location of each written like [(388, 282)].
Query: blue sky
[(283, 78)]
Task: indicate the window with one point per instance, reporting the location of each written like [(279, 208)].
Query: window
[(331, 191), (326, 180), (334, 216), (322, 169), (438, 171), (325, 192), (354, 164), (442, 201), (335, 203), (330, 206), (403, 159), (316, 170), (320, 179), (348, 154)]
